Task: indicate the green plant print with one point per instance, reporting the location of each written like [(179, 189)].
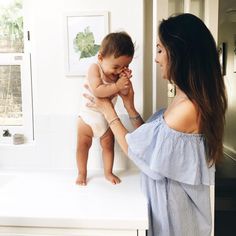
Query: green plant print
[(84, 44)]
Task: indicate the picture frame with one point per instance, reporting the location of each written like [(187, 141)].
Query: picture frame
[(222, 57), (83, 37)]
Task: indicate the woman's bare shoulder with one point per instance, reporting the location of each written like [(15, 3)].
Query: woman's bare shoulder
[(183, 117)]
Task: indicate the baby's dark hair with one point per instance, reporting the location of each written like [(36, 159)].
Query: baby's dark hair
[(117, 44)]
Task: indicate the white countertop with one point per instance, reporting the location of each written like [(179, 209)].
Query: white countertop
[(52, 199)]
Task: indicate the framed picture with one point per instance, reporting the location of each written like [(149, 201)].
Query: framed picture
[(222, 57), (84, 34)]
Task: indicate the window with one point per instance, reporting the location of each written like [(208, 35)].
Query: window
[(15, 74)]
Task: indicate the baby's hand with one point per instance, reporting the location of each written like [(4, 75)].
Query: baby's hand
[(125, 73), (123, 82)]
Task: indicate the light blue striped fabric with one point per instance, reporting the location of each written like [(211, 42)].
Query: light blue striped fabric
[(175, 178)]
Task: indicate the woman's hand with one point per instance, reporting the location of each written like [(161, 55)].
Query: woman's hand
[(103, 105), (128, 98), (122, 83)]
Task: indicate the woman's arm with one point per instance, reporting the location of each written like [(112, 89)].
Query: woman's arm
[(128, 101), (105, 106)]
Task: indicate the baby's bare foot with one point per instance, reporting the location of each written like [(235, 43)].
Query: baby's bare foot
[(112, 178), (81, 179)]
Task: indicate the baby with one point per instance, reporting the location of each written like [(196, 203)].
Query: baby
[(106, 78)]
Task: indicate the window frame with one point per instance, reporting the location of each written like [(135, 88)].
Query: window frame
[(24, 61)]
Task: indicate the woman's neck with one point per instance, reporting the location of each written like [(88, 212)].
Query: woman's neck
[(180, 93)]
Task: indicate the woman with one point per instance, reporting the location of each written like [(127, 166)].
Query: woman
[(176, 149)]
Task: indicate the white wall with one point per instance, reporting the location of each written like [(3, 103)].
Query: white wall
[(56, 97)]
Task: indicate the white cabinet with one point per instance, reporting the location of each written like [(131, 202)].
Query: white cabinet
[(32, 231), (50, 204)]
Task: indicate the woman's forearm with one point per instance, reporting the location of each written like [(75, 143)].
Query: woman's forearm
[(128, 101), (134, 117), (118, 130)]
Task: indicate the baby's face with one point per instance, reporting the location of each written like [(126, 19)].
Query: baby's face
[(112, 66)]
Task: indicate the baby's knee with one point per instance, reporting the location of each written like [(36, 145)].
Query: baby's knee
[(84, 143), (107, 144)]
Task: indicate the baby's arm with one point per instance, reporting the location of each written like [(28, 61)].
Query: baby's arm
[(98, 88)]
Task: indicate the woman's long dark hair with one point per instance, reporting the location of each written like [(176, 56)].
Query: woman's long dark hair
[(195, 68)]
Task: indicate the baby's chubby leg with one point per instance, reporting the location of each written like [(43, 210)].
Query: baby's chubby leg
[(84, 142), (107, 144)]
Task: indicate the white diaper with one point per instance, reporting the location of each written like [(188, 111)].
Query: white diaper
[(96, 121)]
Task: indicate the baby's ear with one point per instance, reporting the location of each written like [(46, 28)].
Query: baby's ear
[(100, 57)]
